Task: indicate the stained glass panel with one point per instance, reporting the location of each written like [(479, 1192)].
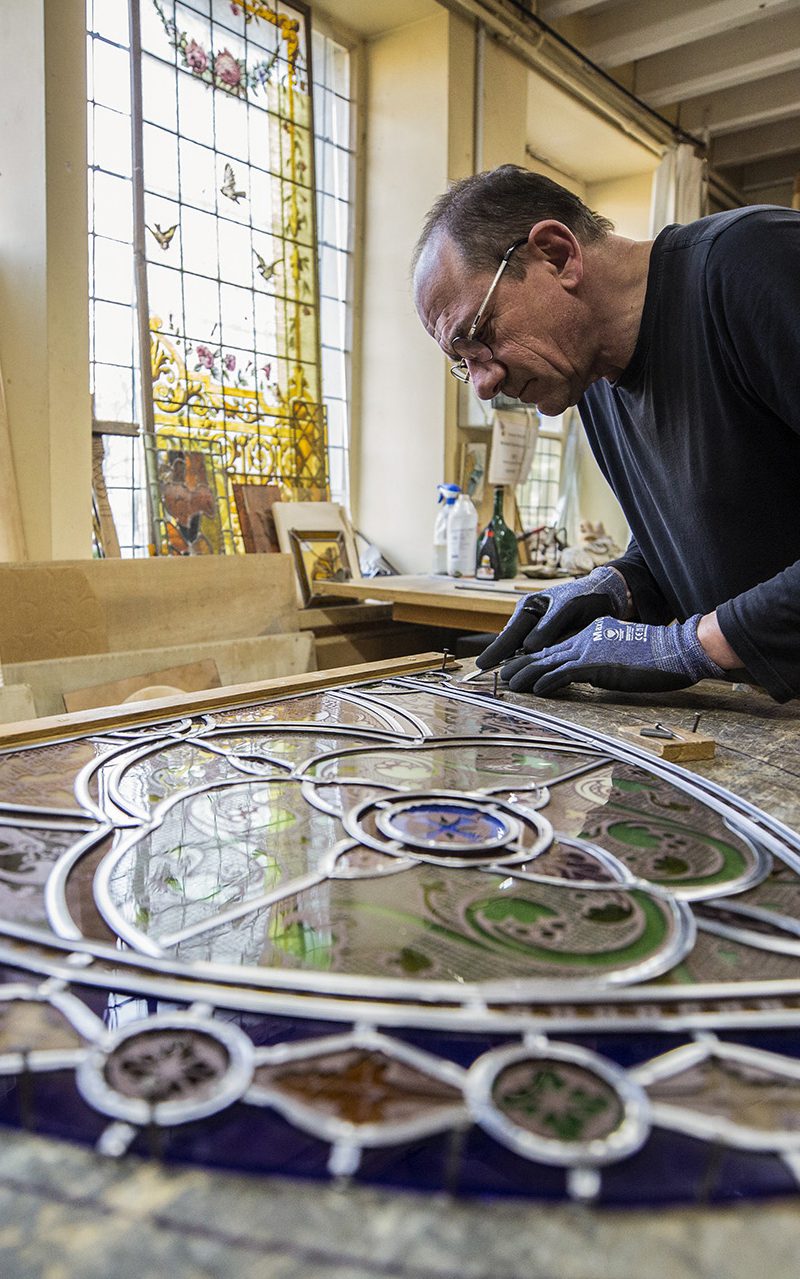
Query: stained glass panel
[(399, 913), (230, 222), (231, 262)]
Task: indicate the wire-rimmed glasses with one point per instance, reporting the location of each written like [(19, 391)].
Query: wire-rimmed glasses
[(468, 347)]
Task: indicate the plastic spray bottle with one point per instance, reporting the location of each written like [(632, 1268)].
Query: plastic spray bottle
[(447, 494), (462, 536)]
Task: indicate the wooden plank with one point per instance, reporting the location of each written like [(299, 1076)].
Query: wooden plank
[(16, 700), (108, 529), (487, 618), (190, 677), (378, 642), (442, 601), (176, 599), (50, 611), (73, 607), (59, 727), (342, 616), (682, 746), (418, 589)]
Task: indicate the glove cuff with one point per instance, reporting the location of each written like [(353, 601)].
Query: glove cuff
[(608, 581), (679, 650)]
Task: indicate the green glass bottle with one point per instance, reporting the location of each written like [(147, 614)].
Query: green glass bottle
[(499, 541)]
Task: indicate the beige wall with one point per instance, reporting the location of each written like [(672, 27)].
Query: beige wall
[(626, 201), (596, 502), (43, 271), (505, 107), (407, 438), (404, 395)]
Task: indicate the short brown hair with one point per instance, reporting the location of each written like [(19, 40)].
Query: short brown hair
[(484, 214)]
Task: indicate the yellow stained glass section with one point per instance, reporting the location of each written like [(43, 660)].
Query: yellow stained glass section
[(231, 266)]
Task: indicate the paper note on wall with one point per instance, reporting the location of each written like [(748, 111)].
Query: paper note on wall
[(513, 446)]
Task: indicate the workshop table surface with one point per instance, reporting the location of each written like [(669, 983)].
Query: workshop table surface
[(432, 600)]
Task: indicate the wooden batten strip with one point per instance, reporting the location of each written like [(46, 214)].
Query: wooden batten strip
[(59, 727)]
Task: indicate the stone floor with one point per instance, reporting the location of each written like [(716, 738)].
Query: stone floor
[(66, 1213)]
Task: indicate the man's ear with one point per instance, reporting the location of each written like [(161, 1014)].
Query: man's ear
[(554, 243)]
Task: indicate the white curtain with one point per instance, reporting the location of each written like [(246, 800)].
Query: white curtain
[(679, 188), (568, 510)]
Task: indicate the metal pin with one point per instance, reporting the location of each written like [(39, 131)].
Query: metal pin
[(696, 721), (658, 731), (494, 686), (445, 656)]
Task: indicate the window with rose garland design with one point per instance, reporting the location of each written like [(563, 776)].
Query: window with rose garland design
[(202, 214)]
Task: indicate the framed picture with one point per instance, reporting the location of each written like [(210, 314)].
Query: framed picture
[(310, 518), (320, 555), (254, 504)]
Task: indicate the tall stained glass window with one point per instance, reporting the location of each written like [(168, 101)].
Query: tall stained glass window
[(335, 158), (203, 213)]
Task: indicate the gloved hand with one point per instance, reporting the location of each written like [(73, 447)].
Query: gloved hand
[(551, 615), (622, 655)]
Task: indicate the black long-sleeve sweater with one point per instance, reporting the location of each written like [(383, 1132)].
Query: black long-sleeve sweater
[(700, 437)]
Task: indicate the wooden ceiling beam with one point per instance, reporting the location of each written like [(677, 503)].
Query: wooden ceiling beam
[(550, 11), (758, 102), (720, 62), (632, 31), (759, 143), (768, 172)]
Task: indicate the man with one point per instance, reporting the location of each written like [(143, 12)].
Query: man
[(683, 356)]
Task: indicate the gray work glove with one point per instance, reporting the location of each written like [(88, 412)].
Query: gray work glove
[(631, 656), (554, 614)]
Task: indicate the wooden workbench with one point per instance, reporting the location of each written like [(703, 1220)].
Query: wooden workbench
[(441, 601)]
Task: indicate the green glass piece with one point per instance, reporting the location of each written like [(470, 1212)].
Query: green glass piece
[(558, 1101)]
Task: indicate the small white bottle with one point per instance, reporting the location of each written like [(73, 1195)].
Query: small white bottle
[(446, 499), (462, 538)]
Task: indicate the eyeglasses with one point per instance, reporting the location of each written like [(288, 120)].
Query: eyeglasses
[(468, 348)]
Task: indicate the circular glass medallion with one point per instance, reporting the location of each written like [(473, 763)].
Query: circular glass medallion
[(558, 1104), (447, 825), (169, 1070), (449, 828)]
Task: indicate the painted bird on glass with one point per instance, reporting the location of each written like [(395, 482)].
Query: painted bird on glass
[(228, 187), (266, 269), (164, 238)]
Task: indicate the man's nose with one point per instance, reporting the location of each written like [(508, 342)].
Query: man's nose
[(486, 377)]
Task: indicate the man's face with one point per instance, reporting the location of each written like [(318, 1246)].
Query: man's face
[(534, 327)]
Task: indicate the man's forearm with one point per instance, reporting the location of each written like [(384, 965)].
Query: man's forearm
[(715, 644)]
